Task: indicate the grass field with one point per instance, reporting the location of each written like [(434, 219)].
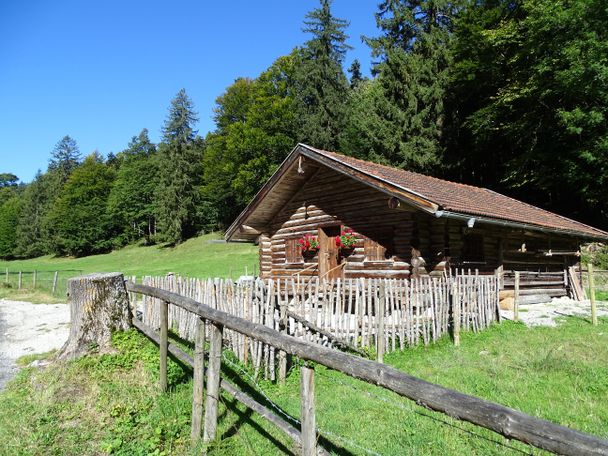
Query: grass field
[(109, 403), (204, 256)]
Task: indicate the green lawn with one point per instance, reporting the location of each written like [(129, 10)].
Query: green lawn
[(109, 403), (203, 257)]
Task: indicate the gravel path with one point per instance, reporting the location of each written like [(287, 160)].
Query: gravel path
[(27, 328), (546, 314)]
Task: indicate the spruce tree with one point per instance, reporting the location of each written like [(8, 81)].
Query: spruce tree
[(356, 77), (64, 158), (179, 157), (413, 57), (322, 85)]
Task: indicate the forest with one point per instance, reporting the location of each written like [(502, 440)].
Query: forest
[(509, 95)]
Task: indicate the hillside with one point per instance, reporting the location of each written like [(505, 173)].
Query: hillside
[(203, 256)]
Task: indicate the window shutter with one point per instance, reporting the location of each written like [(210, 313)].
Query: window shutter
[(374, 251), (293, 253)]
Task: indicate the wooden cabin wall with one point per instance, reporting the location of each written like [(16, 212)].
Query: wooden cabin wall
[(503, 246), (330, 198)]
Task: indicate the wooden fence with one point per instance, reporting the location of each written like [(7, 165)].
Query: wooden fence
[(54, 282), (503, 420), (359, 314)]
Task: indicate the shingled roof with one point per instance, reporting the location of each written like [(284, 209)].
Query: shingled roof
[(436, 196)]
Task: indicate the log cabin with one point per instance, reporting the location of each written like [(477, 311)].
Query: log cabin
[(403, 224)]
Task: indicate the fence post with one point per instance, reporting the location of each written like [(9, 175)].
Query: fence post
[(34, 279), (20, 279), (456, 313), (307, 411), (516, 298), (164, 343), (6, 280), (282, 354), (380, 342), (213, 382), (55, 282), (592, 293), (198, 380)]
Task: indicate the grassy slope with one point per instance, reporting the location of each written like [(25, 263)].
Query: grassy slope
[(109, 403), (198, 257)]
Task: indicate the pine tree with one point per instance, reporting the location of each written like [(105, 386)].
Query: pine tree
[(64, 158), (413, 58), (356, 77), (179, 159), (322, 85)]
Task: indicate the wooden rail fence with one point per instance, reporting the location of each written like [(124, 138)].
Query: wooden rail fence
[(503, 420)]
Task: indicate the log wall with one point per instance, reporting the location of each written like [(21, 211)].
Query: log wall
[(329, 198)]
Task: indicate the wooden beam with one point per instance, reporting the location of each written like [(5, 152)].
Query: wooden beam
[(164, 328), (198, 380), (213, 382), (307, 411)]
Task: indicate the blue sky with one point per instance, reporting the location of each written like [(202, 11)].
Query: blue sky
[(102, 71)]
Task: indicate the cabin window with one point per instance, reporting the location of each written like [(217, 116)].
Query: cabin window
[(380, 248), (472, 249), (293, 252)]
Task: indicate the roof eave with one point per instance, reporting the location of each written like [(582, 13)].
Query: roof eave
[(242, 218), (520, 225)]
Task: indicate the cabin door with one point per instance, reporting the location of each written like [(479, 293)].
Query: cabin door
[(328, 253)]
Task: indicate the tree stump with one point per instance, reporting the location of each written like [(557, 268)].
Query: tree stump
[(99, 305)]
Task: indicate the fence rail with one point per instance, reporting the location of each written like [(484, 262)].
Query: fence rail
[(503, 420), (358, 314)]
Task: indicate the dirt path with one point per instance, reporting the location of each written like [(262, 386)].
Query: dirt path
[(27, 328), (546, 314)]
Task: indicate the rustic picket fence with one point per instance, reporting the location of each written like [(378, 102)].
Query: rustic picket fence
[(414, 311)]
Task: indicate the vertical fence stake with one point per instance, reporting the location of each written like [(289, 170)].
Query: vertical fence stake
[(34, 279), (164, 343), (380, 342), (516, 298), (6, 280), (20, 279), (198, 380), (55, 282), (213, 382), (307, 411), (592, 294), (282, 354), (456, 313)]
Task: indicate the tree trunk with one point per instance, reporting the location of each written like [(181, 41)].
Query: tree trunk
[(99, 305)]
